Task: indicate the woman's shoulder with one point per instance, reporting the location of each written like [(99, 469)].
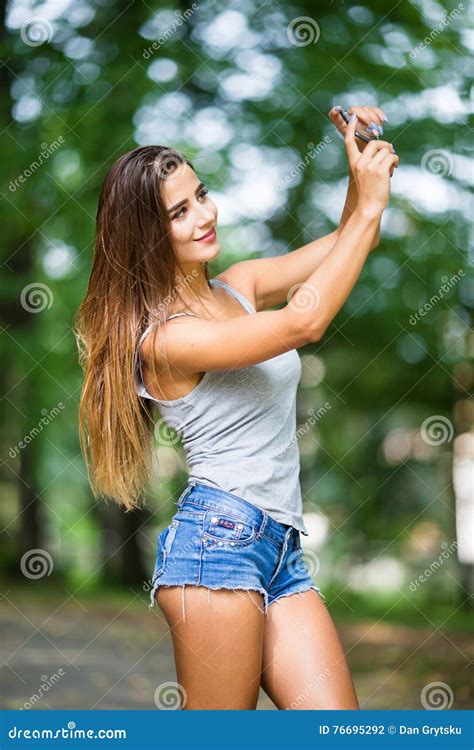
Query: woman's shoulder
[(240, 280)]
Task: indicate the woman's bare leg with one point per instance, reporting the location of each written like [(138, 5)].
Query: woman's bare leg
[(217, 645), (303, 660)]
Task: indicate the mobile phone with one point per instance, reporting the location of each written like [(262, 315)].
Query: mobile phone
[(366, 138)]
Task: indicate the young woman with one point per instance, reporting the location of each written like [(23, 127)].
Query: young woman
[(222, 370)]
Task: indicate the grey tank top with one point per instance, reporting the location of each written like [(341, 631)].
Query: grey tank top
[(238, 429)]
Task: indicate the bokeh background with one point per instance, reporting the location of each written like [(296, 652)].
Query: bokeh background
[(385, 420)]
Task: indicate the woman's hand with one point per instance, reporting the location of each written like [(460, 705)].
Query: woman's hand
[(370, 121), (371, 170)]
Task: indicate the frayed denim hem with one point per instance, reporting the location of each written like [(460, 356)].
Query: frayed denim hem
[(299, 591), (259, 589)]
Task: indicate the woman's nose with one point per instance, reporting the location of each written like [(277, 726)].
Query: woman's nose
[(206, 216)]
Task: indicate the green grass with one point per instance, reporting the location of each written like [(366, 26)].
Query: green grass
[(413, 611)]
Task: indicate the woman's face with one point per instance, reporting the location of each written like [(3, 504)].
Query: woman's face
[(192, 214)]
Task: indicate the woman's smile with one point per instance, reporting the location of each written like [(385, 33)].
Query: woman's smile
[(208, 237)]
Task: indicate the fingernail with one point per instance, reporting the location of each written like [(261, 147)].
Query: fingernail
[(384, 118), (337, 108), (380, 129), (373, 124), (353, 117)]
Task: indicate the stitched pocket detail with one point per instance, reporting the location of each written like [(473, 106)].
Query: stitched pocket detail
[(224, 529)]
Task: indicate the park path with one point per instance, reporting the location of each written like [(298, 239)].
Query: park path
[(116, 653)]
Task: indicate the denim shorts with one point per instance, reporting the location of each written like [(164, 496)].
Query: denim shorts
[(220, 541)]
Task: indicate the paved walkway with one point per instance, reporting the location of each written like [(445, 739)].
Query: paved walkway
[(115, 654)]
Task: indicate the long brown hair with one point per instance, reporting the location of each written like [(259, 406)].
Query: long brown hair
[(135, 275)]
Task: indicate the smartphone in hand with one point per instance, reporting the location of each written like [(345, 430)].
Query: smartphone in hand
[(362, 136)]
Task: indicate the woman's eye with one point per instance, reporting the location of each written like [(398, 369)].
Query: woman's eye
[(179, 214)]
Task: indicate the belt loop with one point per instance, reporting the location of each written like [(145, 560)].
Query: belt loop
[(184, 494), (262, 525)]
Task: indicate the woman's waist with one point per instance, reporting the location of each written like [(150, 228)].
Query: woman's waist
[(201, 496)]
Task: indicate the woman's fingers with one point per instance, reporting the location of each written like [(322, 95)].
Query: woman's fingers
[(361, 113), (371, 117), (372, 148), (384, 161), (393, 159), (381, 154), (353, 153), (381, 114), (379, 162), (368, 117), (371, 170), (389, 162), (375, 123), (337, 119)]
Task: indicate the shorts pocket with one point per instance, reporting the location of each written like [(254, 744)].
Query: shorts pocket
[(225, 529)]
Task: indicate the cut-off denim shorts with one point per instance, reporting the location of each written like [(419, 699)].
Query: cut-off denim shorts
[(220, 541)]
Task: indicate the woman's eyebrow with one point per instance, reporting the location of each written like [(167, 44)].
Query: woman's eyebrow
[(181, 203)]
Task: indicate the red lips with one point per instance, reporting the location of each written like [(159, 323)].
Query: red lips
[(206, 236)]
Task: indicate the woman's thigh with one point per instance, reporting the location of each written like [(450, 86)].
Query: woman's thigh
[(217, 645), (304, 666)]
